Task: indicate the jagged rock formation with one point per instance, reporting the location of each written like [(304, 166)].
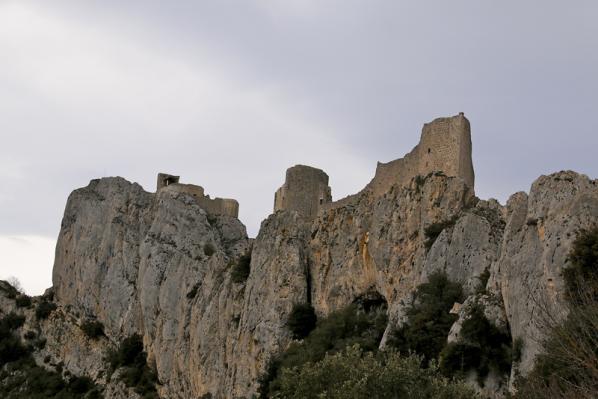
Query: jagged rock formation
[(160, 264)]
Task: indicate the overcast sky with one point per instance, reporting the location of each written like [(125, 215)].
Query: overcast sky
[(228, 94)]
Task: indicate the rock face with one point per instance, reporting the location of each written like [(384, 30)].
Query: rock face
[(538, 236), (160, 265)]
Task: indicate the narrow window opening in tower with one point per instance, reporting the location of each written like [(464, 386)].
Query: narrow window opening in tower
[(429, 150), (321, 201)]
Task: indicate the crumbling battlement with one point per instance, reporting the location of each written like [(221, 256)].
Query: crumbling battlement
[(305, 190), (216, 206), (445, 146)]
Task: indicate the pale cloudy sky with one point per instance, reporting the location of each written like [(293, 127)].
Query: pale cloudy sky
[(228, 94)]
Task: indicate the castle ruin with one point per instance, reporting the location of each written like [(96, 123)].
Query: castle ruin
[(305, 191), (216, 206), (444, 146)]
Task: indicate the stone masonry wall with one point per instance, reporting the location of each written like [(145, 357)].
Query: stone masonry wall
[(305, 191), (445, 146), (216, 206)]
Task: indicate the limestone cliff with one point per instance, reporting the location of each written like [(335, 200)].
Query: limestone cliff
[(161, 265)]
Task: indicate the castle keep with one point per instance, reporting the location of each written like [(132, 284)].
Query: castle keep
[(305, 190), (444, 146), (216, 206)]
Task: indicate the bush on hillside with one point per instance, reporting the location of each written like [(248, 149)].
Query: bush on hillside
[(24, 379), (44, 309), (428, 318), (302, 320), (208, 249), (93, 329), (23, 301), (136, 373), (346, 327), (483, 347), (353, 373), (241, 269)]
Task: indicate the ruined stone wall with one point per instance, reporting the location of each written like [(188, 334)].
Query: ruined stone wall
[(305, 191), (220, 206), (192, 189), (216, 206), (164, 179), (445, 146)]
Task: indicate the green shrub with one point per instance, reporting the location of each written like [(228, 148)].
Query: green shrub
[(241, 269), (433, 231), (11, 349), (212, 219), (583, 269), (9, 323), (23, 301), (24, 379), (346, 327), (136, 373), (483, 347), (484, 277), (302, 320), (20, 377), (428, 319), (44, 309), (208, 249), (93, 329), (10, 291), (80, 385), (354, 373), (191, 294)]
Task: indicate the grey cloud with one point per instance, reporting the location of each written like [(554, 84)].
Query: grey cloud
[(343, 84)]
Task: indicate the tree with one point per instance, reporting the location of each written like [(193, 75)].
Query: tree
[(428, 318), (302, 320), (354, 373), (16, 283)]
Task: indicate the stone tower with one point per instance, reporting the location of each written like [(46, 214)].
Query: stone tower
[(445, 146), (305, 190)]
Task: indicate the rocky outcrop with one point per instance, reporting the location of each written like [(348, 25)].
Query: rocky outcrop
[(97, 256), (160, 264), (540, 229), (156, 265), (278, 280)]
